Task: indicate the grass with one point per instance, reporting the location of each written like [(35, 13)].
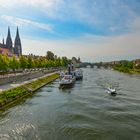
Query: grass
[(127, 70), (13, 94), (40, 82)]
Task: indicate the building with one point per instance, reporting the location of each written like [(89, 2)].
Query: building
[(76, 62), (136, 62), (5, 51), (8, 48)]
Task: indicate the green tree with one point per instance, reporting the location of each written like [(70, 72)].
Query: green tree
[(65, 61), (30, 62), (13, 63), (23, 62), (50, 55), (4, 62)]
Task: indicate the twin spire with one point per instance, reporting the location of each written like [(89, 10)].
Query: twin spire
[(9, 34), (17, 50)]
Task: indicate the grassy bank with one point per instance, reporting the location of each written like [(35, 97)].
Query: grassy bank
[(127, 70), (35, 85), (12, 95)]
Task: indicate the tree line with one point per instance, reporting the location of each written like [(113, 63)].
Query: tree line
[(28, 62), (127, 67)]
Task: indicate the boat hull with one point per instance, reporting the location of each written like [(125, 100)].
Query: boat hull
[(79, 77), (67, 83), (62, 86), (111, 91)]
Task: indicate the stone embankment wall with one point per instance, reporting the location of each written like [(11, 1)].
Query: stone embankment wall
[(13, 95)]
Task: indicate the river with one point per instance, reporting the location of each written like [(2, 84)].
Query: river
[(84, 112)]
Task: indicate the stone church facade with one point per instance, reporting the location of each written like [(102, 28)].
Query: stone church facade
[(14, 48)]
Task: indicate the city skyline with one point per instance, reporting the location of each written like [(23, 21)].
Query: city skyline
[(95, 30)]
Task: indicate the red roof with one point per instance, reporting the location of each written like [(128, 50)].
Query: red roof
[(4, 51)]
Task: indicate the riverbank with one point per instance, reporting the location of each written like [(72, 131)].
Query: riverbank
[(127, 70), (10, 96), (23, 76)]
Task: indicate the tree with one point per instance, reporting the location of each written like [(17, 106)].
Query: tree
[(30, 63), (65, 61), (4, 61), (23, 62), (13, 63), (50, 55)]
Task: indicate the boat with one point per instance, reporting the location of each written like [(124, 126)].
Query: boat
[(67, 81), (111, 90), (78, 74), (62, 74)]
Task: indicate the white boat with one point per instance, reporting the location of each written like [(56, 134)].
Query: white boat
[(111, 90), (67, 81), (62, 74), (78, 74)]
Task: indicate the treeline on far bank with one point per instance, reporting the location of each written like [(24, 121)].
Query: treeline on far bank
[(127, 67), (31, 61)]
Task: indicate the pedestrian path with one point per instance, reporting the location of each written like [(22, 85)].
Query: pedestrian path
[(19, 83)]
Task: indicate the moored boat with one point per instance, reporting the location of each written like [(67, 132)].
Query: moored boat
[(67, 81), (78, 74)]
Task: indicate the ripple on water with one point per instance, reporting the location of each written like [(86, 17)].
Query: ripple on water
[(4, 137), (24, 131)]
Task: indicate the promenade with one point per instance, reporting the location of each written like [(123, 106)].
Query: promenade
[(23, 78)]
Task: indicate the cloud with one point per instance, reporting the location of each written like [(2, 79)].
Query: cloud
[(111, 15), (89, 47), (50, 7), (115, 21), (35, 3), (24, 22)]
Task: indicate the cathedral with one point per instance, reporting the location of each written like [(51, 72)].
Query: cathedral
[(8, 47)]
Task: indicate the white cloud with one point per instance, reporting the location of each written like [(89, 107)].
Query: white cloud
[(35, 3), (113, 15), (24, 22), (103, 14), (89, 48), (50, 7)]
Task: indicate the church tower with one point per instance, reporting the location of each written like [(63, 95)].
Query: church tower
[(3, 45), (9, 41), (17, 45), (3, 41)]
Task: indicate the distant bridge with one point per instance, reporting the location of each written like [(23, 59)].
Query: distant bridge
[(92, 65)]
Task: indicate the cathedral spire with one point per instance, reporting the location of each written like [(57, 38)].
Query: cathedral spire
[(17, 34), (9, 34), (9, 44), (17, 44), (3, 41)]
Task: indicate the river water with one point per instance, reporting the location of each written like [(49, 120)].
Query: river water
[(84, 112)]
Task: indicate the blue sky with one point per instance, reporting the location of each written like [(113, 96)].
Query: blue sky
[(95, 30)]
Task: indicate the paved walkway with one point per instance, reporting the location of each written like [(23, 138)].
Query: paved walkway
[(18, 83)]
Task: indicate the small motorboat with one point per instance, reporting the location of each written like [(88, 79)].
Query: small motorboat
[(111, 90), (67, 81)]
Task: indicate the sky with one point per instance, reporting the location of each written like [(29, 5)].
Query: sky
[(94, 30)]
